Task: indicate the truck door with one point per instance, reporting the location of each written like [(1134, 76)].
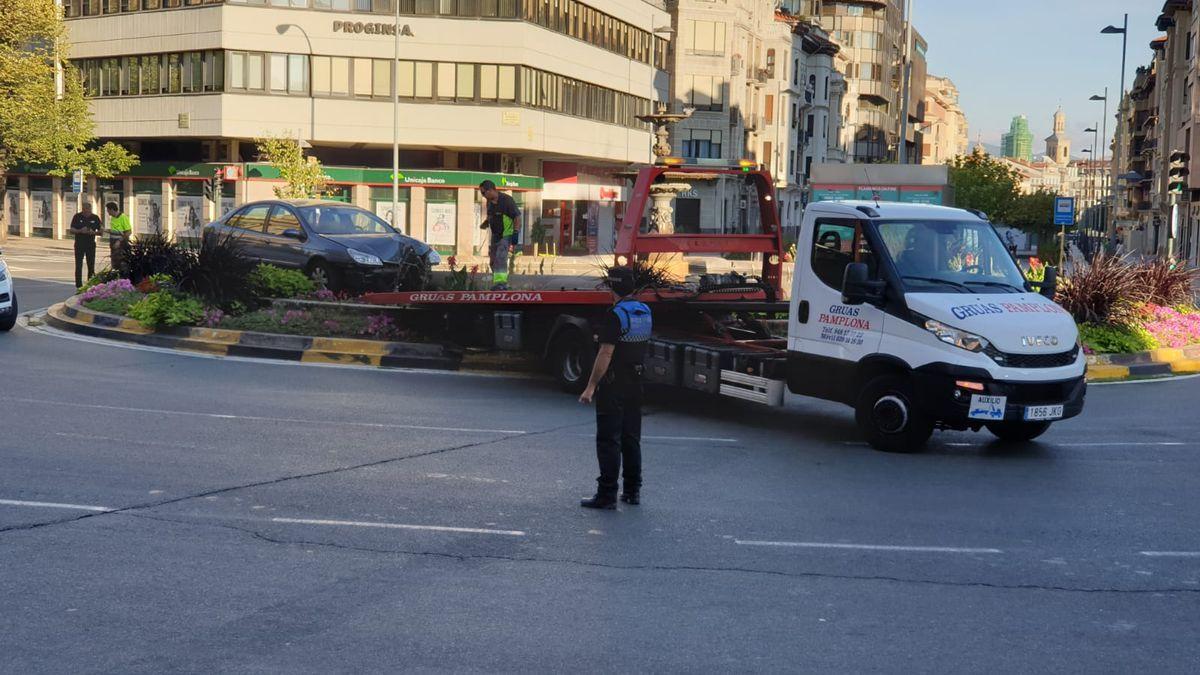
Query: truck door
[(827, 338)]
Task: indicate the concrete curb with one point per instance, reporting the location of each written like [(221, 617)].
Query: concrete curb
[(73, 317), (1155, 363)]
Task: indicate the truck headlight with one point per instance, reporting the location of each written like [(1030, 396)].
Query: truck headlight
[(953, 336), (364, 258), (434, 258)]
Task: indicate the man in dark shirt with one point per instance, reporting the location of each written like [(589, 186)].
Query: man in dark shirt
[(504, 220), (616, 387), (85, 225)]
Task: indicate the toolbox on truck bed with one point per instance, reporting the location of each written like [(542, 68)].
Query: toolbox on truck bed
[(664, 362)]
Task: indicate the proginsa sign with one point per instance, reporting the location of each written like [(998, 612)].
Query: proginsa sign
[(368, 28)]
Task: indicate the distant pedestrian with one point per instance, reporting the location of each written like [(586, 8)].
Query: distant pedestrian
[(616, 387), (119, 232), (504, 221), (86, 226)]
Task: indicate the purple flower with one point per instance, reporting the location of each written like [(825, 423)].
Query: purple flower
[(108, 290)]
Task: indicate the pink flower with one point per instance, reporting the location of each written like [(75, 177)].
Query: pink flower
[(108, 290)]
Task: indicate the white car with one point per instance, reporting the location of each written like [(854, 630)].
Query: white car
[(8, 299)]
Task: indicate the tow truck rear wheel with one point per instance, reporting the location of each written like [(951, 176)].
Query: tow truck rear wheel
[(571, 358), (1017, 432), (887, 417)]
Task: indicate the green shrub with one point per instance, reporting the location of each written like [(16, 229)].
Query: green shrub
[(118, 304), (102, 277), (1116, 339), (166, 308), (275, 282)]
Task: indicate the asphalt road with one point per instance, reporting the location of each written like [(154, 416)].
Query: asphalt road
[(161, 512)]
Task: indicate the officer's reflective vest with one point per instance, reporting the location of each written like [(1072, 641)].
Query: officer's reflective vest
[(635, 320)]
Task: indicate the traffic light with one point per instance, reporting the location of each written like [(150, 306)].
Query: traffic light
[(212, 186), (1177, 174)]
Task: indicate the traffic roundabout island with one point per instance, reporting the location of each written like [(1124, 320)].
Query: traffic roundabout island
[(1156, 363), (71, 316)]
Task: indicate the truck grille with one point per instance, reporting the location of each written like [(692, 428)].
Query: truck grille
[(1033, 360)]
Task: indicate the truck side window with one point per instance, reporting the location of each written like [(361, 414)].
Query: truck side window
[(833, 249)]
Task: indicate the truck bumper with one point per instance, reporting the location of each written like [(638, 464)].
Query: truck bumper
[(939, 394)]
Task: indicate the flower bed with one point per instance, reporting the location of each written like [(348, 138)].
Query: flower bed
[(217, 287)]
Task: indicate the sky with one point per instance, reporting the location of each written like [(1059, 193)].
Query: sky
[(1028, 57)]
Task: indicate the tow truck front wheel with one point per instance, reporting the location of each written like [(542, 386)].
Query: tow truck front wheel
[(1018, 432), (571, 358), (887, 417)]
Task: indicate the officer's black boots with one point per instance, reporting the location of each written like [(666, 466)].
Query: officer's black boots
[(600, 501), (631, 497)]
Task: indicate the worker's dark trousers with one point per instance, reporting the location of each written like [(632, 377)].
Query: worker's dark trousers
[(619, 434), (84, 250)]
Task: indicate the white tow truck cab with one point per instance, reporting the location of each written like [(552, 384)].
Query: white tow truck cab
[(8, 298), (919, 318)]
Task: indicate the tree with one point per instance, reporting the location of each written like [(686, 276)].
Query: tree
[(303, 177), (983, 183), (44, 117), (1035, 213)]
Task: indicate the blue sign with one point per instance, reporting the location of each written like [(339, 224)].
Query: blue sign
[(1064, 210), (77, 181)]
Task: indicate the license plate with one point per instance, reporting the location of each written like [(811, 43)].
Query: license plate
[(987, 407), (1043, 412)]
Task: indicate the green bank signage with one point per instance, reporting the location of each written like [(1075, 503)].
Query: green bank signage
[(448, 179)]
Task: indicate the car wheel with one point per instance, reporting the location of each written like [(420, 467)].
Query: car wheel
[(323, 275), (7, 322), (571, 359), (1017, 432), (888, 418)]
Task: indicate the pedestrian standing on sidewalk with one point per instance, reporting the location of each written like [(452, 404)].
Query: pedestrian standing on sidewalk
[(616, 388), (119, 232), (86, 226), (504, 220)]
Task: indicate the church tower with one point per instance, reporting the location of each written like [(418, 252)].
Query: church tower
[(1058, 146)]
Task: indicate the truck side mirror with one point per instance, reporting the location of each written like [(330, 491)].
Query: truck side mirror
[(1049, 286), (858, 288)]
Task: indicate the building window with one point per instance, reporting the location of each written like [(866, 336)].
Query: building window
[(381, 72), (702, 144), (707, 93), (704, 37), (362, 77)]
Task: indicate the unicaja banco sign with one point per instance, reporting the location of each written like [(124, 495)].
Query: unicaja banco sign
[(367, 28)]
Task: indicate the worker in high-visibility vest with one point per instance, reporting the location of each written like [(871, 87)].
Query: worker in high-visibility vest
[(119, 232), (504, 220)]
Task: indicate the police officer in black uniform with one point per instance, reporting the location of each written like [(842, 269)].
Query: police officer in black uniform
[(616, 387)]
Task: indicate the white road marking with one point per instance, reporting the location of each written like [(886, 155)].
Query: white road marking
[(1100, 444), (1169, 378), (867, 547), (55, 505), (398, 526), (255, 418), (690, 439), (1172, 554)]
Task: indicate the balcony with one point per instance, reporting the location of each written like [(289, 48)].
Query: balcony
[(761, 76)]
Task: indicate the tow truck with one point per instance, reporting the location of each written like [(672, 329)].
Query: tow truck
[(916, 316)]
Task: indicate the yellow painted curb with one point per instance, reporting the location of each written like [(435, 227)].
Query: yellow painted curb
[(219, 336), (1107, 372), (1186, 366), (1167, 355), (349, 346), (314, 356)]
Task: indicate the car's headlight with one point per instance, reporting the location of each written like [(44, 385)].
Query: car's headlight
[(953, 336), (364, 258), (433, 257)]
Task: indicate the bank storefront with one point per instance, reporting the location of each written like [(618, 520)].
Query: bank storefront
[(442, 208)]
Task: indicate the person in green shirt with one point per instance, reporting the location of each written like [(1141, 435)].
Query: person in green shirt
[(119, 232)]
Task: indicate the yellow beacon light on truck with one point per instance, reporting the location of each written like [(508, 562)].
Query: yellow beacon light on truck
[(672, 161), (747, 165)]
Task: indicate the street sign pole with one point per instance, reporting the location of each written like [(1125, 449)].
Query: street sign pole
[(1064, 215)]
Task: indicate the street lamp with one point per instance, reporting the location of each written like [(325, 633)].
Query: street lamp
[(396, 114), (312, 101), (1104, 136), (1123, 31)]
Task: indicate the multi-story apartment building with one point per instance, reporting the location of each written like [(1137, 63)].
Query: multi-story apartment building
[(760, 84), (540, 95), (945, 124), (871, 34), (1135, 147)]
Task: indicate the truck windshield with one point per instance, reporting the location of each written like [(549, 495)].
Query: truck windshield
[(939, 256)]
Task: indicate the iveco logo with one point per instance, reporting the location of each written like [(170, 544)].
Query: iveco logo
[(1039, 341)]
